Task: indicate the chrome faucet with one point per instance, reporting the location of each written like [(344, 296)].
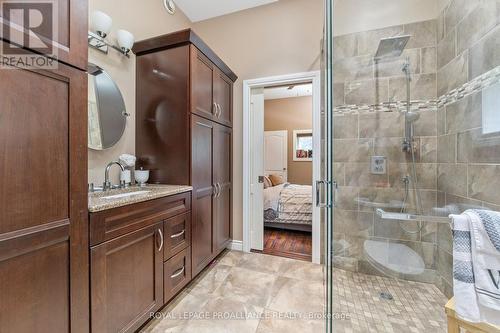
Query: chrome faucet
[(107, 184)]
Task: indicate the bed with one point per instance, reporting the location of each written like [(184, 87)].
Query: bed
[(288, 206)]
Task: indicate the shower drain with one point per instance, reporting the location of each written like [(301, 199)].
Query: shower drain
[(386, 295)]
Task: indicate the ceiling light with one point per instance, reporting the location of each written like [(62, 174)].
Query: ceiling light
[(169, 6)]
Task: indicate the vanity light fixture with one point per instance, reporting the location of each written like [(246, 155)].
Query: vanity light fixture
[(101, 26)]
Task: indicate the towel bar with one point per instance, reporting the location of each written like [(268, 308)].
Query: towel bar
[(411, 217)]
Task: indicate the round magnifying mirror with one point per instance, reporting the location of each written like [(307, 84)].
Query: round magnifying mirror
[(106, 110)]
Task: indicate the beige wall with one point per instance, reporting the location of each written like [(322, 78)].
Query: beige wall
[(363, 15), (280, 38), (146, 18), (291, 114)]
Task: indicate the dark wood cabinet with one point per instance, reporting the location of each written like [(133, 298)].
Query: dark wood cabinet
[(43, 201), (160, 142), (223, 98), (203, 191), (127, 280), (136, 255), (211, 90), (223, 183), (204, 97), (202, 85), (68, 45)]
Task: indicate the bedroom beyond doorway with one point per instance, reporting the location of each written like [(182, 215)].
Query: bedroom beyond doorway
[(288, 174), (282, 140)]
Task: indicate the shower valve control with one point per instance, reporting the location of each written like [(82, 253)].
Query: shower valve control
[(378, 165)]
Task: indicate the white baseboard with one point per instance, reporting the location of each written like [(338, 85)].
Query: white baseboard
[(235, 245)]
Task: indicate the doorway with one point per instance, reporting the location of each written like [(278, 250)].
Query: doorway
[(277, 190)]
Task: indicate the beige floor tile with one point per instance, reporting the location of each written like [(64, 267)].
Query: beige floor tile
[(301, 270), (207, 282), (247, 286), (237, 285), (226, 316), (292, 295), (274, 322), (230, 258), (263, 262)]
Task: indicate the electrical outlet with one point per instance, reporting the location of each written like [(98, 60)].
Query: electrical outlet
[(378, 165)]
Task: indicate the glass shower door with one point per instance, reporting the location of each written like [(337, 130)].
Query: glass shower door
[(326, 186)]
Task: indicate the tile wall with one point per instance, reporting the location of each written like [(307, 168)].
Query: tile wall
[(453, 58), (370, 97), (468, 170)]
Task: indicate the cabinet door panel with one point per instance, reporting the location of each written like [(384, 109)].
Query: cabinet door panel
[(202, 132), (34, 270), (43, 204), (222, 177), (202, 88), (126, 280), (68, 40), (223, 96)]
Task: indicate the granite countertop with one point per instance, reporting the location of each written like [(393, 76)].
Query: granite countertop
[(99, 201)]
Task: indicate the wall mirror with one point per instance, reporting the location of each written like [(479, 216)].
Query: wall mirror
[(107, 115)]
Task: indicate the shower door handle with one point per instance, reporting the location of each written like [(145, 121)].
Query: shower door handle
[(319, 184)]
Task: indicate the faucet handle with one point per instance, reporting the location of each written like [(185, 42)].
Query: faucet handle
[(106, 186), (91, 187)]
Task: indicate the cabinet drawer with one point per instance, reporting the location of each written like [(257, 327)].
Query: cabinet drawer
[(177, 232), (119, 221), (177, 273)]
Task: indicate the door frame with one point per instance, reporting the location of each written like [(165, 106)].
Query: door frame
[(288, 79)]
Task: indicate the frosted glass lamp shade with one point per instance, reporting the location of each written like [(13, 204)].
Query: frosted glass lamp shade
[(125, 40), (101, 23)]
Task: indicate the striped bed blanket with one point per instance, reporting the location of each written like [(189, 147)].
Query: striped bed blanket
[(291, 203)]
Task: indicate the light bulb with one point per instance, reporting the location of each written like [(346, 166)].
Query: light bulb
[(101, 23), (125, 40)]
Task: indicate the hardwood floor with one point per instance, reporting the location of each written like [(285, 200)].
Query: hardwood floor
[(288, 244)]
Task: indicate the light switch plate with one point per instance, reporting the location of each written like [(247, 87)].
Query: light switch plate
[(378, 165)]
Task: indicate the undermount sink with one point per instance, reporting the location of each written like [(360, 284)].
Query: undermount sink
[(124, 195)]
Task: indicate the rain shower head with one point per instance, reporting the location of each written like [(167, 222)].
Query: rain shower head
[(391, 47)]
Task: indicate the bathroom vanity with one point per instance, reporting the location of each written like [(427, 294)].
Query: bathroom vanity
[(140, 253)]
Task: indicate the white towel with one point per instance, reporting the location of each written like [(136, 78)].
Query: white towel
[(476, 265)]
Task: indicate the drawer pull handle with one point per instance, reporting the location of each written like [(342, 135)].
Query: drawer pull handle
[(179, 234), (161, 240), (179, 272)]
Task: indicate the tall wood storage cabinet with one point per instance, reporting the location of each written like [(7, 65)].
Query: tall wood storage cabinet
[(184, 131), (44, 276)]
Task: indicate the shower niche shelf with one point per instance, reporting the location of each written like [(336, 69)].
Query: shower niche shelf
[(411, 217)]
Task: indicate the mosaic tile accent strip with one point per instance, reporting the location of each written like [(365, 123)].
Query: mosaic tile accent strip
[(476, 85)]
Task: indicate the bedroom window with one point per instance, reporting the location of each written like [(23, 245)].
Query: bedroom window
[(302, 145)]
